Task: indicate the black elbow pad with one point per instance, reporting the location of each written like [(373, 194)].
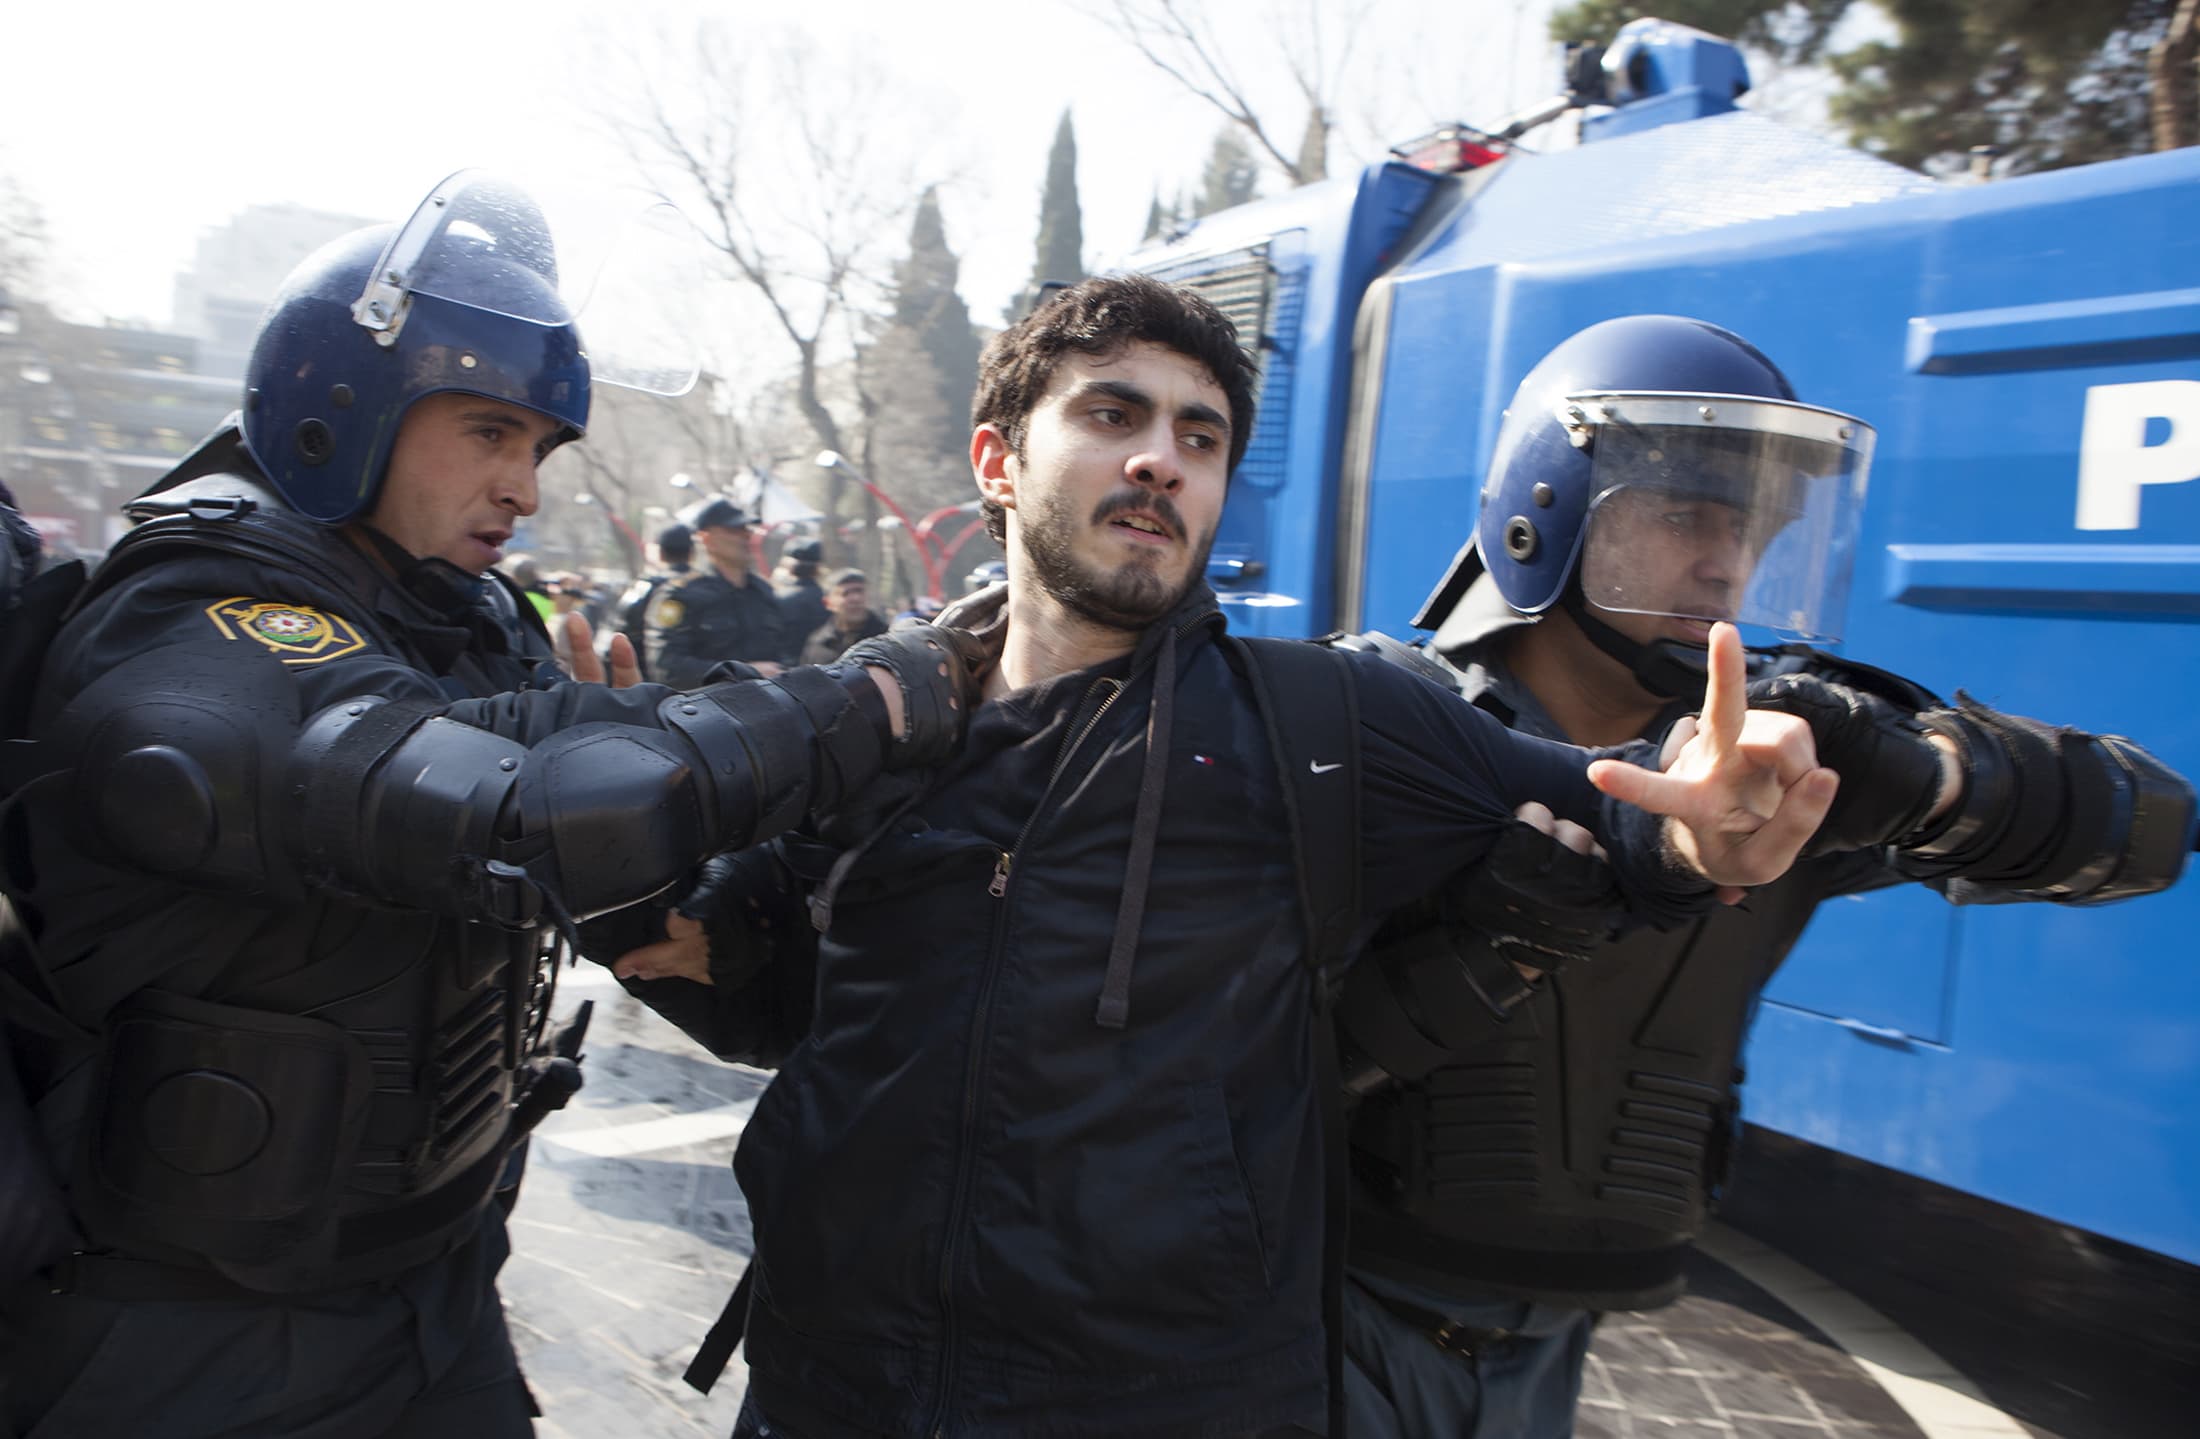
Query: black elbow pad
[(392, 801)]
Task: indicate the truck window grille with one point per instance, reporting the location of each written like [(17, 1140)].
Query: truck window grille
[(1266, 308)]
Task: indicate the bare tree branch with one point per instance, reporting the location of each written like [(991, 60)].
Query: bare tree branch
[(1316, 39), (1176, 39), (786, 159)]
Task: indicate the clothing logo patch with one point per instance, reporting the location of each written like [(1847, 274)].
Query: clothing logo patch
[(667, 613), (1319, 768), (300, 635)]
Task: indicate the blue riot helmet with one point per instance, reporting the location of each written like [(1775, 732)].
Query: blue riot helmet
[(462, 297), (1660, 465), (992, 572)]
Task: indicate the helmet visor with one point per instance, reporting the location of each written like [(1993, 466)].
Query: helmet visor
[(626, 270), (1719, 507)]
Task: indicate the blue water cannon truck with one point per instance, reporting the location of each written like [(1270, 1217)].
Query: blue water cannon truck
[(2029, 351)]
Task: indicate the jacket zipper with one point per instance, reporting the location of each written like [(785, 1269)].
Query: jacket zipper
[(980, 1017), (999, 886)]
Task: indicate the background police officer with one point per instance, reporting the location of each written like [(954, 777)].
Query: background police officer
[(725, 611), (1654, 474), (675, 546), (801, 597), (305, 797)]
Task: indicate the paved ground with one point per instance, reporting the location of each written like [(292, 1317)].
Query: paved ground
[(632, 1232), (621, 1260), (1730, 1361)]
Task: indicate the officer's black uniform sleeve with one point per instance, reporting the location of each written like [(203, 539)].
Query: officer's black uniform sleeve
[(1441, 780)]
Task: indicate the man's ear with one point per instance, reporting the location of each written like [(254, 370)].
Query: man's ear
[(994, 465)]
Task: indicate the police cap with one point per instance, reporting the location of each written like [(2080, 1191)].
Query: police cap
[(719, 513)]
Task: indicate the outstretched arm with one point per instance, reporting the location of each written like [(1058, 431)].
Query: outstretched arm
[(1991, 807), (194, 763)]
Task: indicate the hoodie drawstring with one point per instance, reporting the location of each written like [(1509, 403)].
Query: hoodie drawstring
[(1115, 990)]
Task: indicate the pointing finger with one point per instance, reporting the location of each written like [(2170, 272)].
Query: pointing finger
[(1725, 693)]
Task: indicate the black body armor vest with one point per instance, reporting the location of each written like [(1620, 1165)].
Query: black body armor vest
[(1575, 1154), (1574, 1157), (303, 1097)]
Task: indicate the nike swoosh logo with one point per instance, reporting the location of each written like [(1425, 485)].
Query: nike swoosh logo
[(1324, 768)]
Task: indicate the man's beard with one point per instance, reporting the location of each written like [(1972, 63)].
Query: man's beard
[(1133, 594)]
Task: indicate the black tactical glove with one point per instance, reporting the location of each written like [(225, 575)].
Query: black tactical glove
[(1425, 993), (938, 671), (1535, 901), (747, 905), (1890, 770)]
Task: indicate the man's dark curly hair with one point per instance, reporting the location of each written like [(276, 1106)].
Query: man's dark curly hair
[(1099, 317)]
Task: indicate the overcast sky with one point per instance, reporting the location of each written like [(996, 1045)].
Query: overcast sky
[(137, 127)]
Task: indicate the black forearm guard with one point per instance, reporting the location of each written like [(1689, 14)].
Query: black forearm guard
[(600, 815), (1409, 1005), (2055, 814)]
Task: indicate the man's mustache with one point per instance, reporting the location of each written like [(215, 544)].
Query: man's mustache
[(1160, 506)]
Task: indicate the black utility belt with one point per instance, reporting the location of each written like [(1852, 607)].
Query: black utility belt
[(1464, 1340)]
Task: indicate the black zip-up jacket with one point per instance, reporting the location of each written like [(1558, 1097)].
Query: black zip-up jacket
[(979, 1210)]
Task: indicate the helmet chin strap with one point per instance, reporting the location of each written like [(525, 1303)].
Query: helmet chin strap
[(1666, 668)]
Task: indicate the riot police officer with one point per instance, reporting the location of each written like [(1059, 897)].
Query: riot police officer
[(302, 801), (725, 611), (1653, 475)]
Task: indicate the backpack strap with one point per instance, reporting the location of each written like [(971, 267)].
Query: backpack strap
[(716, 1350), (1318, 756)]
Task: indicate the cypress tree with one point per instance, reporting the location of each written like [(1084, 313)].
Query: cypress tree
[(920, 370), (1157, 220), (927, 306), (1231, 177), (1059, 254)]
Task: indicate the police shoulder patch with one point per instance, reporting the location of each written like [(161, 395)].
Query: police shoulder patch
[(666, 611), (298, 634)]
